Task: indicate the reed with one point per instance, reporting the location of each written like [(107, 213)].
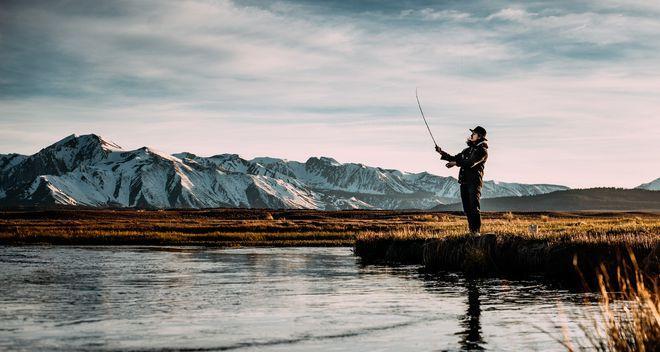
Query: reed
[(552, 251), (628, 318)]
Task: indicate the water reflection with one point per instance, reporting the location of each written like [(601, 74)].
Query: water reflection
[(471, 335), (274, 299)]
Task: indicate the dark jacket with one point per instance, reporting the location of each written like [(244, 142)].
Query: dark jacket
[(471, 160)]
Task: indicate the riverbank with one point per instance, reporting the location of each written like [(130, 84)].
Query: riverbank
[(250, 227), (516, 243), (572, 250), (566, 258)]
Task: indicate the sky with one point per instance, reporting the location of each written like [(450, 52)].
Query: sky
[(569, 91)]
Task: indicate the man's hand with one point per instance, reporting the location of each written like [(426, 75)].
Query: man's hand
[(437, 149), (450, 164)]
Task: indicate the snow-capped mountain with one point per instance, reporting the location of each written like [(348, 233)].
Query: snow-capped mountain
[(90, 171), (651, 186)]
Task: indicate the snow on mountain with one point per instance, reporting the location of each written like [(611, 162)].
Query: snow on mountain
[(494, 189), (651, 186), (8, 161), (90, 171)]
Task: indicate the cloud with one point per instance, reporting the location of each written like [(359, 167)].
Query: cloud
[(511, 14), (299, 78), (430, 14)]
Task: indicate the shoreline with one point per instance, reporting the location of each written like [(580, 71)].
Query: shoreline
[(435, 240), (572, 262)]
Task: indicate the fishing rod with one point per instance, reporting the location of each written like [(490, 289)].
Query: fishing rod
[(424, 117)]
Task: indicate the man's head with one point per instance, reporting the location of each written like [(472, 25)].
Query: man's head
[(478, 133)]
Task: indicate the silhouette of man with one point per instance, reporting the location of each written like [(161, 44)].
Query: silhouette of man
[(471, 161)]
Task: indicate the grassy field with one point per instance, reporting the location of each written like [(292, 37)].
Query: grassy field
[(221, 227), (241, 227)]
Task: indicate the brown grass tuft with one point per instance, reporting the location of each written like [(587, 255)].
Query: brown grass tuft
[(628, 318), (425, 217), (509, 216)]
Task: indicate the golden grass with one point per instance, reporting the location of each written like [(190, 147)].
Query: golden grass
[(637, 327), (520, 244), (304, 227), (623, 227), (629, 312)]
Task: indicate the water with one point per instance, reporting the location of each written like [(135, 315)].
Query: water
[(272, 299)]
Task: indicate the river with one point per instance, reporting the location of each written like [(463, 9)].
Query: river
[(57, 298)]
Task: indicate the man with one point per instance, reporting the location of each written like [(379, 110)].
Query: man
[(471, 161)]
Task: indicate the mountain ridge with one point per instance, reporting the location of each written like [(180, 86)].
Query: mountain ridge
[(89, 170), (651, 186)]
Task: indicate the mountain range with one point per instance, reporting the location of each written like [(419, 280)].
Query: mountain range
[(90, 171), (651, 186)]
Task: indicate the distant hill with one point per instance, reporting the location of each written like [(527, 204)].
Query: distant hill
[(573, 200), (651, 186)]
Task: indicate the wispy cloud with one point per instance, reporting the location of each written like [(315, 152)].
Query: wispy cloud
[(560, 86)]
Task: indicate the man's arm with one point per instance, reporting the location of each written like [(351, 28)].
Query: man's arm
[(473, 159), (446, 156), (449, 157)]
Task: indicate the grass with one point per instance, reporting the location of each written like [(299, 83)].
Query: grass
[(628, 318), (637, 326), (222, 227), (293, 227), (511, 248)]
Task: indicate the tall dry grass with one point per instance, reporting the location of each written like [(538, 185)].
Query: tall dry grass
[(512, 249), (628, 318), (340, 228)]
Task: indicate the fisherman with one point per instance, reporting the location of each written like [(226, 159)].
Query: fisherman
[(471, 161)]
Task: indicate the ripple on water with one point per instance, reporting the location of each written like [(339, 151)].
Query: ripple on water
[(146, 298)]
